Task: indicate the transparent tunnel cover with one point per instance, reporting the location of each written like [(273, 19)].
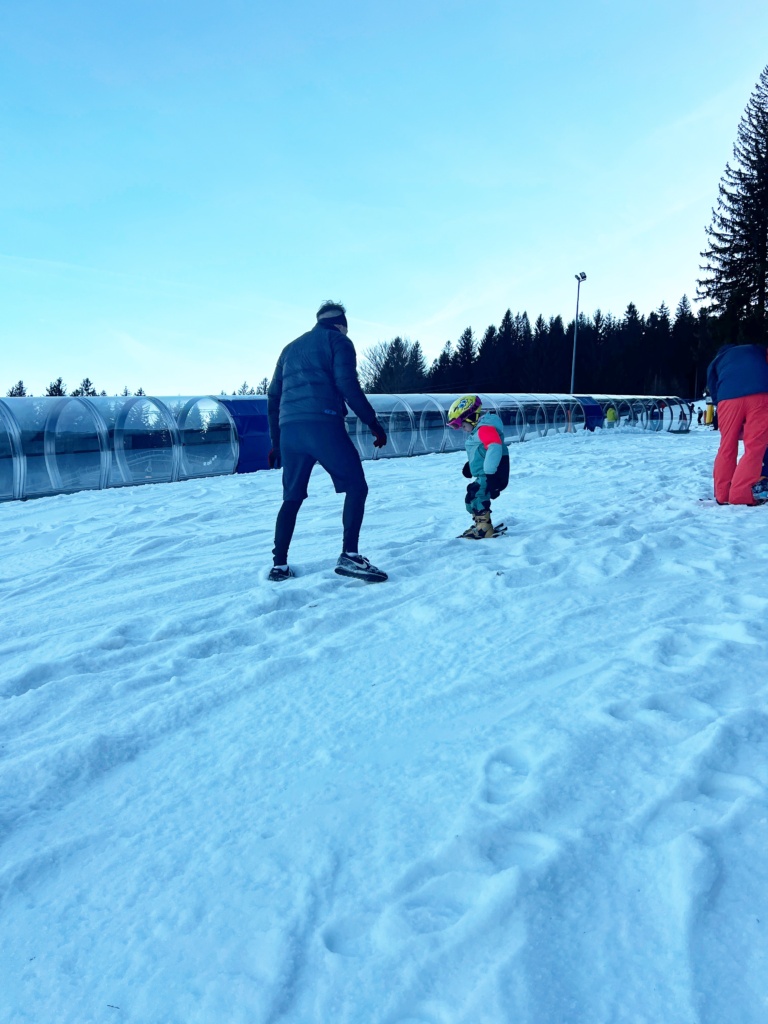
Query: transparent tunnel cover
[(62, 444)]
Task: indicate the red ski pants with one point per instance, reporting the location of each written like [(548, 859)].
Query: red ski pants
[(740, 419)]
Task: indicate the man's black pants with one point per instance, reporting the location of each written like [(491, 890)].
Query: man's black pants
[(302, 445)]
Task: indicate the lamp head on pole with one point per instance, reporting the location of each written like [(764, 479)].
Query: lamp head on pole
[(581, 277)]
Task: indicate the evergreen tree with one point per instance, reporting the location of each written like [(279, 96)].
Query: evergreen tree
[(56, 388), (599, 353), (17, 391), (487, 367), (686, 351), (615, 375), (557, 369), (707, 345), (632, 356), (440, 376), (505, 350), (395, 373), (585, 379), (736, 261), (394, 367), (657, 369), (140, 392), (262, 387), (464, 361), (417, 369), (85, 389), (535, 377), (125, 392), (244, 389), (522, 341)]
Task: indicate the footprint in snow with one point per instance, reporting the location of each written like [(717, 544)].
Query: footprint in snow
[(673, 716), (504, 775), (699, 803), (440, 903), (350, 936), (506, 848)]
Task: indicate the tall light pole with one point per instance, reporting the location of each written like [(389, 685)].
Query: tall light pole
[(579, 278)]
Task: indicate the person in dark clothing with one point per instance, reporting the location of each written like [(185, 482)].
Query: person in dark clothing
[(737, 379), (314, 381)]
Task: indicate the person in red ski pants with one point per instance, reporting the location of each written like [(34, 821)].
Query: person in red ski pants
[(738, 383)]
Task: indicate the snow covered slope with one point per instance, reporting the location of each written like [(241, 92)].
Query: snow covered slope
[(524, 781)]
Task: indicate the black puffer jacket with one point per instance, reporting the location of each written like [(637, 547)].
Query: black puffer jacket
[(314, 377)]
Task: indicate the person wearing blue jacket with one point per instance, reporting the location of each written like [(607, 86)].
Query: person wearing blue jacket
[(314, 381), (487, 461), (737, 379)]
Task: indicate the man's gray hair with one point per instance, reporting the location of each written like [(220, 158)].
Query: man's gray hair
[(329, 310)]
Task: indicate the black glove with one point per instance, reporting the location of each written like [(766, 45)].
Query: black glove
[(273, 459), (471, 493), (498, 481), (493, 485), (466, 471), (379, 436)]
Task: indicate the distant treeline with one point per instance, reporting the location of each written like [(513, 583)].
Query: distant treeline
[(58, 389), (658, 354)]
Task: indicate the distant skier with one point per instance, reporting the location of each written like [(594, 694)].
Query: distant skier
[(737, 379), (487, 461), (315, 376)]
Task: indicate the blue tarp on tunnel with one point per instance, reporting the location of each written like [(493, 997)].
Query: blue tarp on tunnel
[(250, 416), (593, 412)]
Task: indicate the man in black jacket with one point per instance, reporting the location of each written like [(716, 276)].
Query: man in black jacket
[(314, 381)]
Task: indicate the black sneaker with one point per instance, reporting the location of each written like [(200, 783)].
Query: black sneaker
[(360, 568), (277, 575)]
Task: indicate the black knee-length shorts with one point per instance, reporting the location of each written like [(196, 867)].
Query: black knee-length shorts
[(304, 444)]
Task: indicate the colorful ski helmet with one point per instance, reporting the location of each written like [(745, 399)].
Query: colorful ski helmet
[(464, 410)]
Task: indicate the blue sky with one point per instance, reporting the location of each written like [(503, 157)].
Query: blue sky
[(181, 184)]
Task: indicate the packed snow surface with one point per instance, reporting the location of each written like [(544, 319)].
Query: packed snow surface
[(523, 781)]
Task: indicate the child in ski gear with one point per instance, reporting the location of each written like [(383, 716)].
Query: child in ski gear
[(737, 380), (487, 461), (314, 381)]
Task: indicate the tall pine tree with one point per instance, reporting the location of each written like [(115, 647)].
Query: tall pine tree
[(685, 351), (56, 389), (440, 375), (736, 260), (85, 389), (464, 361), (487, 375)]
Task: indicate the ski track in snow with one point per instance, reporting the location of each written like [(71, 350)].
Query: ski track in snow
[(524, 781)]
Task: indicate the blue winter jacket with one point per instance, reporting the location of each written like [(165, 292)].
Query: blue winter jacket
[(738, 370), (315, 376), (486, 446)]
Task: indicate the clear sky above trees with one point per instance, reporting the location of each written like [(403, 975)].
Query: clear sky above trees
[(185, 182)]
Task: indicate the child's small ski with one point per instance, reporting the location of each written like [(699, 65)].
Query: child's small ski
[(498, 531)]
